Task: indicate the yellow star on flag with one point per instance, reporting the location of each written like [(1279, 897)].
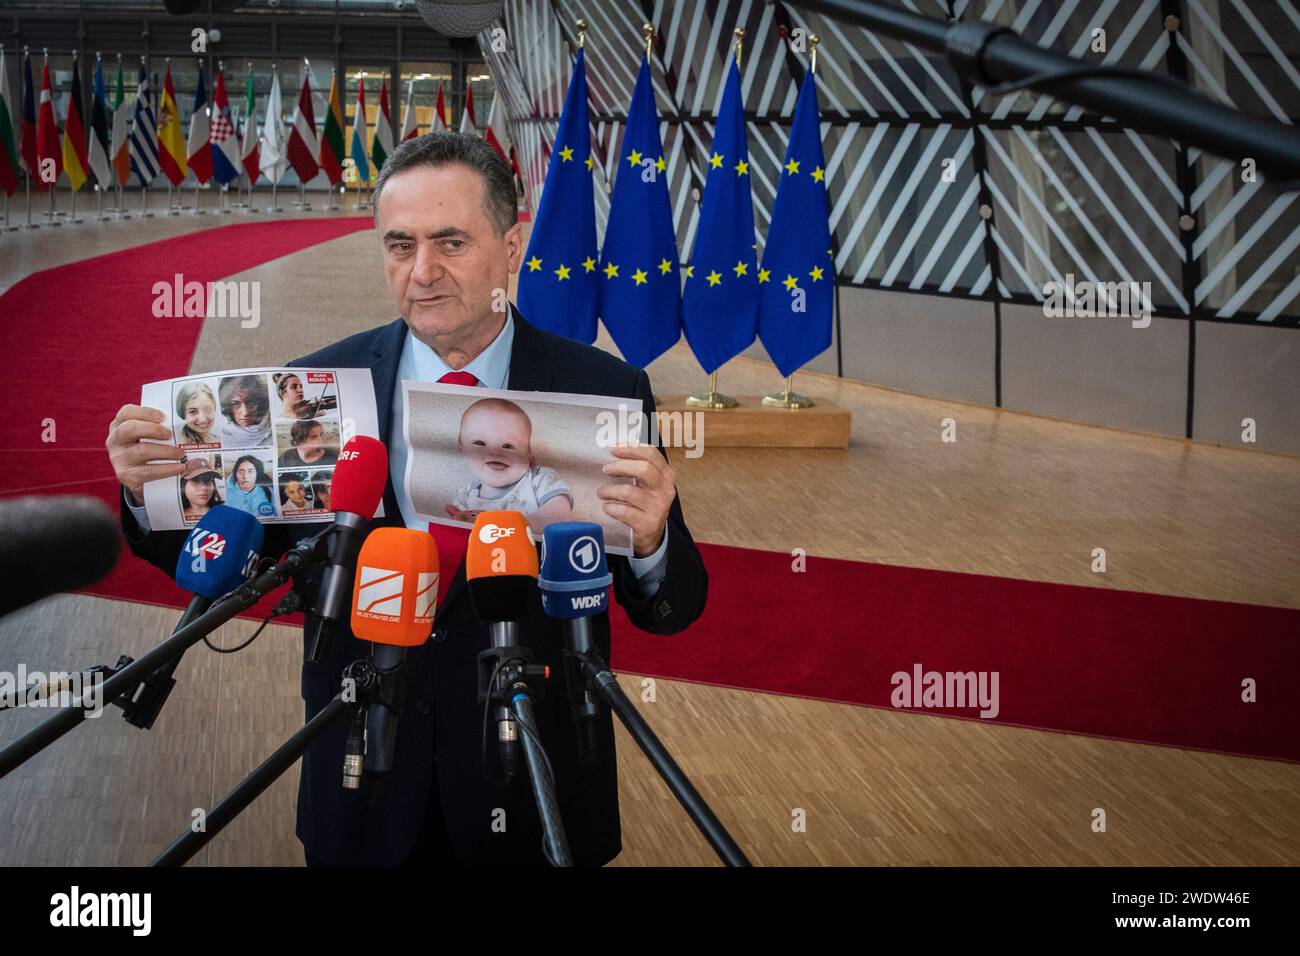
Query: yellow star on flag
[(764, 275), (816, 273), (611, 271), (639, 277), (566, 154), (716, 161), (534, 264), (665, 266), (742, 168), (714, 278), (690, 272), (740, 269), (589, 264), (634, 158), (791, 282), (818, 174), (589, 163), (660, 164), (562, 272), (792, 167)]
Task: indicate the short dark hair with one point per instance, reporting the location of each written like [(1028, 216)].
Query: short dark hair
[(500, 201)]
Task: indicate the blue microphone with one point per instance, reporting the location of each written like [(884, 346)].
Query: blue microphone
[(574, 582), (220, 554), (575, 577)]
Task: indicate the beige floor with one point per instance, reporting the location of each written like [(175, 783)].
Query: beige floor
[(1015, 496)]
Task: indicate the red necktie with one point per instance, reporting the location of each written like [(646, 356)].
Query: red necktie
[(452, 542), (459, 378)]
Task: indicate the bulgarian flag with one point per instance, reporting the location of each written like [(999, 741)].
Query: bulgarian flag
[(8, 148), (382, 146), (331, 140)]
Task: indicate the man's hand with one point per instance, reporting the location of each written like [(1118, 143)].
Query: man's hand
[(644, 506), (130, 456)]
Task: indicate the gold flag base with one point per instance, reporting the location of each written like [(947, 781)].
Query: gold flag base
[(712, 398), (788, 398)]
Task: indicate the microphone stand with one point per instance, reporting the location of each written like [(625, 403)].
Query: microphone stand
[(308, 552), (598, 677), (252, 787), (505, 673)]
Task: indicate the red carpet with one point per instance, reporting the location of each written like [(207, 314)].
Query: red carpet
[(1083, 660), (83, 338)]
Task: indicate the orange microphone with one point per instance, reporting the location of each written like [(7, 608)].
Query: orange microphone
[(393, 600), (501, 576)]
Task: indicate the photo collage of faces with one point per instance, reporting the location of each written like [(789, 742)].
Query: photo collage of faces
[(263, 442)]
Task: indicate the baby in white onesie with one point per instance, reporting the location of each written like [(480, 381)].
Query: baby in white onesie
[(496, 440)]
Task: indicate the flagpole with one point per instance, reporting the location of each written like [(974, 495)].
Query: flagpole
[(100, 192), (713, 398), (30, 224), (789, 398), (8, 228)]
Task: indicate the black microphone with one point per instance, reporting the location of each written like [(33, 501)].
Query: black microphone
[(359, 480), (575, 582), (49, 545)]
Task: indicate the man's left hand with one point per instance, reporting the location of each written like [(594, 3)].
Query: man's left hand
[(644, 505)]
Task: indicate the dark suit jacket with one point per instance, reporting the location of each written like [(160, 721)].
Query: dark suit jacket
[(440, 727)]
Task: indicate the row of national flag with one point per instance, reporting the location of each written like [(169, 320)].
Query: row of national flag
[(146, 138), (725, 298)]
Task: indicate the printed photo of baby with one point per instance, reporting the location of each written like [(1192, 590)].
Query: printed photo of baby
[(470, 450), (496, 446)]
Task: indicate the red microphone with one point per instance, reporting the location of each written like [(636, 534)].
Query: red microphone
[(359, 481)]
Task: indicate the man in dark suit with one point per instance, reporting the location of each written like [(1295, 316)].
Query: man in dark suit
[(445, 214)]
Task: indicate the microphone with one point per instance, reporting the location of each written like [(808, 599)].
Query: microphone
[(575, 582), (501, 577), (53, 544), (459, 18), (220, 554), (392, 607), (359, 480)]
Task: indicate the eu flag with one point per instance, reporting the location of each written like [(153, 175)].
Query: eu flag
[(640, 297), (797, 280), (558, 283), (720, 301)]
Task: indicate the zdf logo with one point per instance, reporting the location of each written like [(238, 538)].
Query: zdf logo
[(491, 532)]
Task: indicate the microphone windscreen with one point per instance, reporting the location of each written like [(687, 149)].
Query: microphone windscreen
[(500, 544), (220, 553), (501, 567), (360, 477), (396, 587), (459, 18), (575, 576), (53, 544)]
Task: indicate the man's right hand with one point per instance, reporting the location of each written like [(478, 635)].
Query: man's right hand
[(135, 461)]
